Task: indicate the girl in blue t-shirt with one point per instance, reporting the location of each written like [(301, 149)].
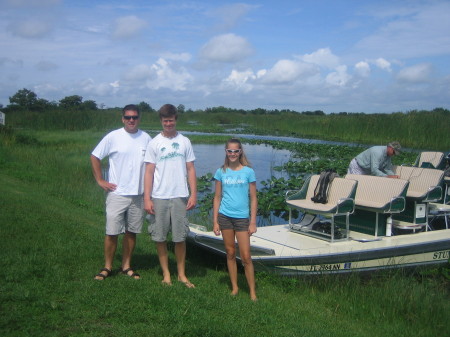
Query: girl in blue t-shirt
[(234, 212)]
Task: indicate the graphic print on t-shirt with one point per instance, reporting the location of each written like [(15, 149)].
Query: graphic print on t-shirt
[(174, 153)]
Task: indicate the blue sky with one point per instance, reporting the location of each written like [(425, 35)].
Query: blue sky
[(354, 56)]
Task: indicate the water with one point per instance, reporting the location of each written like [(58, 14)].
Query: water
[(280, 138), (262, 157)]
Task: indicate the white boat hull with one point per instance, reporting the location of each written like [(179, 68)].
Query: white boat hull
[(276, 249)]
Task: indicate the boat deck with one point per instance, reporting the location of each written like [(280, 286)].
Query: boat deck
[(284, 243)]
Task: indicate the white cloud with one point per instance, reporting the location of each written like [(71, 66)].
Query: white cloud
[(30, 28), (415, 74), (226, 48), (338, 78), (239, 80), (45, 89), (383, 64), (322, 57), (168, 77), (362, 69), (127, 26), (139, 73), (288, 71), (101, 89)]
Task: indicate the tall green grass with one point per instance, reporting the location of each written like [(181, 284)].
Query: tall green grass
[(51, 232), (414, 129), (424, 130)]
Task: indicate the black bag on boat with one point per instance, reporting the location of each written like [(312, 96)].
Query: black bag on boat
[(323, 186), (325, 227)]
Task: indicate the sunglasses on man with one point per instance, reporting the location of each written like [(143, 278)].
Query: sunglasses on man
[(131, 117)]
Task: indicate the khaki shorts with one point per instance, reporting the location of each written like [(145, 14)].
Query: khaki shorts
[(170, 216), (124, 213)]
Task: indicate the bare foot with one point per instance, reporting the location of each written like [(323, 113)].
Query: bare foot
[(186, 282), (166, 280), (234, 292)]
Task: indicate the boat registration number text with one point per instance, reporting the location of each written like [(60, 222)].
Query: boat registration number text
[(325, 267), (441, 255)]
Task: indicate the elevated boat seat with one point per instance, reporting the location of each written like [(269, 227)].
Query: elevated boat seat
[(340, 203), (375, 200), (425, 186), (430, 160)]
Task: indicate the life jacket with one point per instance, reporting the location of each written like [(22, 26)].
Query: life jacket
[(323, 186)]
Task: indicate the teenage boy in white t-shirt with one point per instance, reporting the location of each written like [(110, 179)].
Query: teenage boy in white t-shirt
[(169, 162), (125, 149)]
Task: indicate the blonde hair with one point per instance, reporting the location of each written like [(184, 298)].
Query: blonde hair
[(242, 157)]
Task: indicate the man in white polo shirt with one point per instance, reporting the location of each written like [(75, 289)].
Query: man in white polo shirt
[(125, 149)]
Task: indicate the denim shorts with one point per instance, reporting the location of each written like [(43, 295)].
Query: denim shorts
[(124, 213), (236, 224), (170, 216)]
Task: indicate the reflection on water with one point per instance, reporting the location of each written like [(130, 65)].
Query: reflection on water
[(262, 157)]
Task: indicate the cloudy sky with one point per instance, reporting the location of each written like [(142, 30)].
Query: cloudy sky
[(329, 55)]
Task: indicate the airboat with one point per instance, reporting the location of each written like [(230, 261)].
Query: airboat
[(367, 223)]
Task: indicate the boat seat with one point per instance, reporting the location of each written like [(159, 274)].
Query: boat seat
[(430, 160), (425, 184), (340, 197), (339, 206), (376, 199), (379, 194)]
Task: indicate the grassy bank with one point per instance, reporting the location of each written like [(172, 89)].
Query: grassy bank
[(51, 232)]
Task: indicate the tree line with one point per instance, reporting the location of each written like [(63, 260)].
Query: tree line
[(25, 99)]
